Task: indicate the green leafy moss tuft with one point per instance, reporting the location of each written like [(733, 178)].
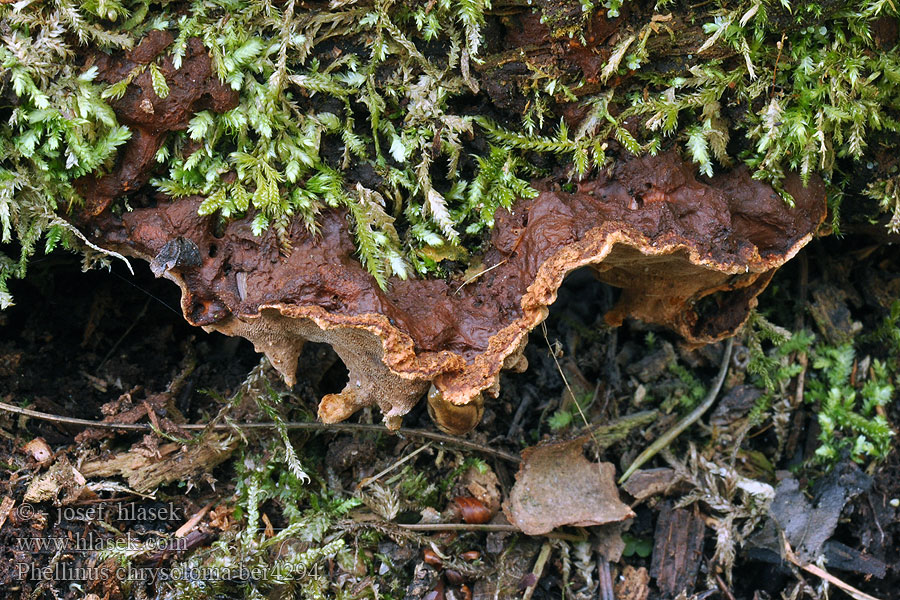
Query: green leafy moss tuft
[(376, 106)]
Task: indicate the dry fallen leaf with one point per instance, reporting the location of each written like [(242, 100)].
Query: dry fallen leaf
[(270, 530), (556, 485)]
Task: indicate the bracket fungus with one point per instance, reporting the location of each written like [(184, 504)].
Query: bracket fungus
[(646, 225)]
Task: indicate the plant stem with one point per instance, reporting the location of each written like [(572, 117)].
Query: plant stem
[(669, 436)]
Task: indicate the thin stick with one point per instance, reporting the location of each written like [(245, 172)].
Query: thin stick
[(458, 526), (303, 425), (409, 456), (605, 575), (775, 70), (723, 588), (820, 572), (193, 521), (139, 288), (668, 437), (537, 570), (568, 387), (499, 527), (502, 262), (479, 274)]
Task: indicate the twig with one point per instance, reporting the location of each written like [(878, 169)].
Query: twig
[(414, 528), (310, 426), (606, 585), (668, 437), (458, 527), (501, 527), (537, 570), (193, 521), (409, 456), (502, 262), (568, 387), (723, 588), (820, 572), (139, 288), (780, 46), (479, 274)]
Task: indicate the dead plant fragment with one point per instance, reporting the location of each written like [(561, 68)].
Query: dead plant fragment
[(557, 485)]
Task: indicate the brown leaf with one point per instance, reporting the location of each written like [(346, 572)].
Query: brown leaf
[(270, 530), (556, 485)]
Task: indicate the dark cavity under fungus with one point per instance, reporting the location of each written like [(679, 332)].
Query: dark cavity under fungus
[(648, 226)]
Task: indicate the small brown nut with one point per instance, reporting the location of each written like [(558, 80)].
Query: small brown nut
[(431, 558), (453, 576), (472, 511)]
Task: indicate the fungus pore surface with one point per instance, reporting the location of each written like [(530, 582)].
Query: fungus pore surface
[(647, 225)]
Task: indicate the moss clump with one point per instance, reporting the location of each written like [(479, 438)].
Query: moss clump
[(380, 107)]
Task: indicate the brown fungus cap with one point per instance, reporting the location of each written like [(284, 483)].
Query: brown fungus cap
[(648, 226)]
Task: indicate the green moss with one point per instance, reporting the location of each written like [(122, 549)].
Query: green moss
[(847, 404), (808, 87)]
